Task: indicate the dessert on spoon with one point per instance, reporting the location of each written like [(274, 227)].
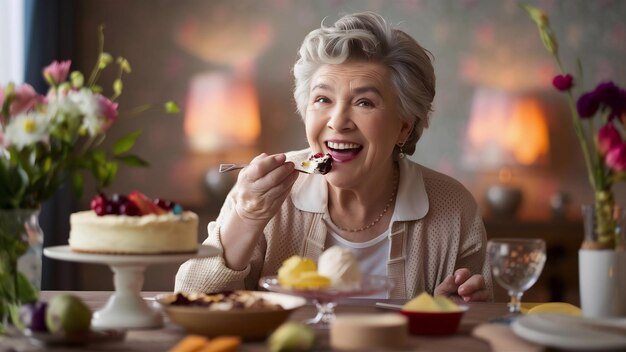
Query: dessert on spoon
[(304, 161)]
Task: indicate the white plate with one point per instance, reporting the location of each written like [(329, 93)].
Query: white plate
[(572, 333), (66, 253)]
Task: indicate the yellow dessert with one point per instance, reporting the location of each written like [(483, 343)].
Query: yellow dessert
[(424, 302), (299, 272), (556, 307), (310, 279)]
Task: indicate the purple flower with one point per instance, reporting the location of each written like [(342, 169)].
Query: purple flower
[(587, 104), (608, 138), (611, 98), (616, 158), (563, 82), (57, 72)]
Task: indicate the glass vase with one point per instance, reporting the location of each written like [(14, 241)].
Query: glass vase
[(22, 243)]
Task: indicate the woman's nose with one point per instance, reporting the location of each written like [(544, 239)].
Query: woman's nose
[(340, 119)]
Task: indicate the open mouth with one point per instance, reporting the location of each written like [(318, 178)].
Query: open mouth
[(343, 151)]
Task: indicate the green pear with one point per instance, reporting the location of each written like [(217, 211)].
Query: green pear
[(292, 336), (68, 314)]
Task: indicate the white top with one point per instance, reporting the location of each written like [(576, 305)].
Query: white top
[(372, 255)]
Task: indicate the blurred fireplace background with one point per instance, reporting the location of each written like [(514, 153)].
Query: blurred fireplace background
[(228, 65)]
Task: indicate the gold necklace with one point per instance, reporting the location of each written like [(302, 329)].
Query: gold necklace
[(380, 216)]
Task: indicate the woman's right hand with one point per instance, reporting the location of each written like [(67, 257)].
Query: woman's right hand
[(263, 186), (261, 189)]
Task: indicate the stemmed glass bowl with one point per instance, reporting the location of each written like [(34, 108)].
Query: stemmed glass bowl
[(516, 264), (325, 299)]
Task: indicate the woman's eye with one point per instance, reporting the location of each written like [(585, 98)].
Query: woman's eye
[(321, 100), (365, 103)]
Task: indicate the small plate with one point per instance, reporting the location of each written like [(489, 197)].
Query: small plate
[(369, 285), (572, 333), (90, 337)]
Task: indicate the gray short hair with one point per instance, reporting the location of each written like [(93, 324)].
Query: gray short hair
[(368, 37)]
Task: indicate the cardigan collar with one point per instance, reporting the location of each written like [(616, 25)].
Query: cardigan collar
[(311, 194)]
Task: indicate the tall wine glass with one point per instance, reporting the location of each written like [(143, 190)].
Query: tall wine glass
[(516, 264)]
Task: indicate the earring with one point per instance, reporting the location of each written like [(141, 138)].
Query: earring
[(401, 154)]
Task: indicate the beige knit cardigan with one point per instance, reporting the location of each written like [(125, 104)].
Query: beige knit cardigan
[(436, 228)]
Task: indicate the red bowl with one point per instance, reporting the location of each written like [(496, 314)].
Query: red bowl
[(434, 323)]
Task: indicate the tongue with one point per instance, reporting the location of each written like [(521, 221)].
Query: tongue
[(344, 155)]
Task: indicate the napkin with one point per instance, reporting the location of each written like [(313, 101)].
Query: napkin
[(502, 339)]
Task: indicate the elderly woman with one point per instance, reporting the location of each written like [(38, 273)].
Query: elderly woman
[(364, 91)]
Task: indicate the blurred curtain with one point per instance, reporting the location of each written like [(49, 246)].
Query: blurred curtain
[(49, 26)]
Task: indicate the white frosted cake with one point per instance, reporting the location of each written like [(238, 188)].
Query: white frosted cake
[(133, 224), (121, 234)]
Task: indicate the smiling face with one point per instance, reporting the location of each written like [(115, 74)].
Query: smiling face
[(352, 114)]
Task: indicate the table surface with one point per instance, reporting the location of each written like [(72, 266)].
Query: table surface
[(166, 337)]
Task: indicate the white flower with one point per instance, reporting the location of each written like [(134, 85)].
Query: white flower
[(26, 129), (87, 103), (78, 108), (61, 109)]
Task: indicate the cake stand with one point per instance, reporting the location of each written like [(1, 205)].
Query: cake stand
[(126, 309)]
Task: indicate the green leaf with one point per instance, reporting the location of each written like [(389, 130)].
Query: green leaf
[(171, 107), (133, 160), (27, 293), (548, 40), (125, 143), (78, 183), (110, 170), (536, 14)]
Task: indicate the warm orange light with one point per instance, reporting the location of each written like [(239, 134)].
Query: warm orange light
[(527, 133), (222, 112), (505, 129)]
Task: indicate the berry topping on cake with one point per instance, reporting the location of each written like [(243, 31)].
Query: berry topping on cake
[(145, 204), (133, 204), (164, 204), (98, 204)]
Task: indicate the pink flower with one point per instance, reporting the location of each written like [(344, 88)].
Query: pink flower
[(608, 138), (24, 99), (57, 72), (616, 158), (563, 82), (109, 110)]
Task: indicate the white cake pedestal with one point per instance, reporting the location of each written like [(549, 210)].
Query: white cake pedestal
[(126, 309)]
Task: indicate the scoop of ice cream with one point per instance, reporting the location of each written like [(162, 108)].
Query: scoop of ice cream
[(341, 266)]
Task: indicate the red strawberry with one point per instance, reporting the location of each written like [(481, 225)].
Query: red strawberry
[(145, 204)]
